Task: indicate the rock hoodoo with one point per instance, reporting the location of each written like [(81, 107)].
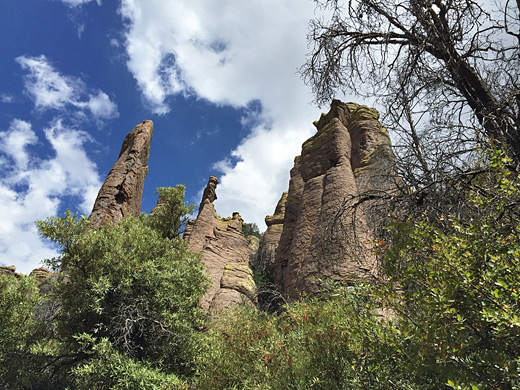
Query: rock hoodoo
[(265, 263), (121, 193), (323, 237), (224, 254)]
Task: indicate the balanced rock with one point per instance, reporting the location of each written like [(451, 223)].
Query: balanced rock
[(326, 235), (224, 253), (121, 193)]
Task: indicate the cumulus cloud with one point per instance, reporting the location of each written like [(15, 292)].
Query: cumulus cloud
[(32, 188), (50, 90), (233, 53)]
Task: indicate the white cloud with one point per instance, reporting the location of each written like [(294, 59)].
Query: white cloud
[(4, 98), (52, 90), (101, 106), (32, 188), (14, 143), (231, 52), (76, 3)]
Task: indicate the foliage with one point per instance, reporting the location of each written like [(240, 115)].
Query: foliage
[(251, 229), (127, 283), (456, 292), (18, 298), (171, 213), (110, 369), (335, 342), (122, 311)]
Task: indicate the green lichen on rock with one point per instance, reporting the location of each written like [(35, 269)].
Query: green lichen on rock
[(311, 144), (385, 132), (226, 220), (239, 277), (368, 161), (359, 112)]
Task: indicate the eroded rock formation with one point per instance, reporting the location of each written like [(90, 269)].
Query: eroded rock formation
[(265, 262), (224, 252), (324, 236), (121, 193), (9, 270)]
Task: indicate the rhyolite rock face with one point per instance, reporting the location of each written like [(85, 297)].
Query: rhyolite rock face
[(121, 193), (323, 236), (9, 270), (225, 254), (264, 264)]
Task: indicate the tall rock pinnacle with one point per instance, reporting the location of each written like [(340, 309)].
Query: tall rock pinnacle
[(224, 253), (323, 237), (121, 193)]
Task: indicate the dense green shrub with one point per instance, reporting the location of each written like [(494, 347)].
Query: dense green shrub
[(123, 308), (126, 282), (456, 291), (335, 342), (111, 369)]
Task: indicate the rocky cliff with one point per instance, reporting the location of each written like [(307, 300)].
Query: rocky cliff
[(326, 232), (121, 193), (224, 252)]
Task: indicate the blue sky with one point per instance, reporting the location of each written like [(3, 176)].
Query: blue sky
[(218, 78)]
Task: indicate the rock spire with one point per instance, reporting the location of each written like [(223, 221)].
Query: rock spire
[(121, 193), (323, 237), (224, 253)]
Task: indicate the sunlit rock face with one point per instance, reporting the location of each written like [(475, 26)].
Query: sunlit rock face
[(121, 193), (324, 236), (225, 254)]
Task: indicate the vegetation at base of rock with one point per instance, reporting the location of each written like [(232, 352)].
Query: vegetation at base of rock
[(126, 299), (446, 314), (111, 369), (334, 342)]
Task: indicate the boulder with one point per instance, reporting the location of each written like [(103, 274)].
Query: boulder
[(41, 274), (9, 270)]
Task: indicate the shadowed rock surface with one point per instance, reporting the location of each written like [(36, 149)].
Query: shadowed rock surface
[(224, 252), (323, 236), (271, 239), (121, 193)]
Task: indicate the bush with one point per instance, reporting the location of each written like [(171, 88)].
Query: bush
[(128, 284), (122, 313), (110, 369), (335, 342), (455, 291)]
